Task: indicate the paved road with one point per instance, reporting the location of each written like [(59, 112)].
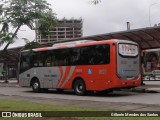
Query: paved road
[(118, 100), (117, 96)]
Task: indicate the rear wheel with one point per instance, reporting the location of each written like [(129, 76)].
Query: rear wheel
[(79, 87), (35, 85)]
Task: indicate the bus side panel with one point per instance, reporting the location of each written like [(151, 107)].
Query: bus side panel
[(102, 77), (47, 76), (96, 77), (73, 72), (105, 73)]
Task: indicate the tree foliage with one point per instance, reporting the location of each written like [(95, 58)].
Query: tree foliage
[(30, 45), (95, 1), (16, 13)]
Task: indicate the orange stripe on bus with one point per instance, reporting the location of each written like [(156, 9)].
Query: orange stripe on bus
[(61, 73), (65, 76), (42, 49)]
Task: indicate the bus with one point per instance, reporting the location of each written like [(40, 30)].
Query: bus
[(151, 64), (87, 66)]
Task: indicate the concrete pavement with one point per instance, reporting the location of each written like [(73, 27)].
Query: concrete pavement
[(118, 105), (149, 87), (10, 83)]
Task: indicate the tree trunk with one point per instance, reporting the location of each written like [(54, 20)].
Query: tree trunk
[(12, 38), (4, 52), (6, 73)]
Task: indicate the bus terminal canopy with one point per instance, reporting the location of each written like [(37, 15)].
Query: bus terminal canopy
[(147, 38)]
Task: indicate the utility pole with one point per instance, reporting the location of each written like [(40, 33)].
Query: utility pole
[(128, 25)]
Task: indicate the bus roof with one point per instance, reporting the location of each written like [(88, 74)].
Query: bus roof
[(78, 43), (72, 42)]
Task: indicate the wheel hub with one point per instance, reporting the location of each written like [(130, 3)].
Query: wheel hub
[(36, 85), (79, 88)]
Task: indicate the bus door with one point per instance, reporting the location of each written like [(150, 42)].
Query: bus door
[(128, 66), (51, 77)]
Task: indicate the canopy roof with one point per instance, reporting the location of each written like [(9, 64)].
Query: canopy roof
[(147, 38), (11, 56)]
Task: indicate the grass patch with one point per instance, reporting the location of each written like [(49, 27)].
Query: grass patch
[(10, 105), (120, 118)]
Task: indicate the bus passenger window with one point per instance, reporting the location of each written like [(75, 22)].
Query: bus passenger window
[(75, 56), (25, 62), (36, 63), (38, 59), (48, 62), (101, 54)]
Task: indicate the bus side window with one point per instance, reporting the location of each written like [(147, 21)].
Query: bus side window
[(25, 62), (36, 62), (38, 59), (54, 60), (47, 58), (106, 52), (84, 57), (75, 56), (66, 57), (103, 54), (48, 62)]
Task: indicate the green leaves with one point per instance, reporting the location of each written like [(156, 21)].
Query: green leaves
[(25, 12), (95, 1), (46, 22), (31, 45), (6, 38), (5, 27)]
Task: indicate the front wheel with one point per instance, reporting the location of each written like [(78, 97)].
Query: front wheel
[(36, 86), (79, 87)]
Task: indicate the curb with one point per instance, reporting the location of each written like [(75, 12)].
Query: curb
[(9, 85), (145, 90)]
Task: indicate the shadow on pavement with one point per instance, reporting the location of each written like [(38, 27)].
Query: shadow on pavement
[(90, 94)]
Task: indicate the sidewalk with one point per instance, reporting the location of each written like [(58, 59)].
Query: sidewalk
[(149, 87), (11, 83)]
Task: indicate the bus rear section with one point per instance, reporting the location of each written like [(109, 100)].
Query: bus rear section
[(122, 69), (128, 65), (91, 66)]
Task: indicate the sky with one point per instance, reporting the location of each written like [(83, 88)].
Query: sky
[(108, 16)]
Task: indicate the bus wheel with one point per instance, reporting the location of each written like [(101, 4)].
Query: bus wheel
[(79, 87), (36, 85)]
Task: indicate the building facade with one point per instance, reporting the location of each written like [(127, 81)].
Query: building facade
[(66, 29)]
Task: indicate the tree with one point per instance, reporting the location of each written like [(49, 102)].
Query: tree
[(30, 45), (16, 13), (95, 1)]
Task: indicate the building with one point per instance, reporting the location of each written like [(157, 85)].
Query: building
[(66, 29)]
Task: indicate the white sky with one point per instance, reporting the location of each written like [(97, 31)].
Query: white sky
[(108, 16)]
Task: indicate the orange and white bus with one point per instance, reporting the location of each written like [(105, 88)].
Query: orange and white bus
[(81, 66)]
